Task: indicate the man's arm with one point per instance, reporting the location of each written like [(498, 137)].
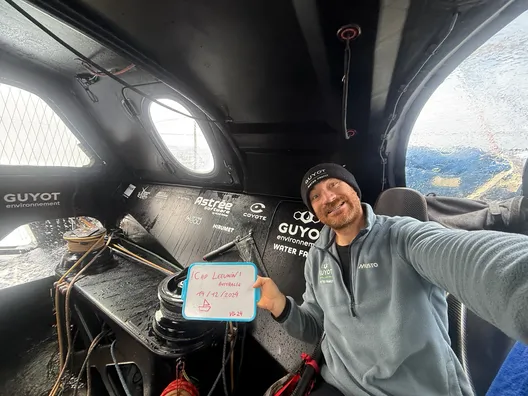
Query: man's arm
[(486, 270), (303, 322)]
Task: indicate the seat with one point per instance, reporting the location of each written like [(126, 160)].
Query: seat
[(401, 201)]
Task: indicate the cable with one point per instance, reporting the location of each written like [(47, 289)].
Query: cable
[(219, 375), (92, 347), (141, 259), (177, 265), (54, 390), (96, 74), (232, 368), (100, 68), (57, 302), (225, 361), (123, 89), (118, 369), (346, 78), (393, 114), (242, 343)]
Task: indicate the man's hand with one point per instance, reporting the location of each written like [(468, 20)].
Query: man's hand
[(270, 296)]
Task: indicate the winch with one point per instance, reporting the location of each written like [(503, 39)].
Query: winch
[(170, 327), (79, 242)]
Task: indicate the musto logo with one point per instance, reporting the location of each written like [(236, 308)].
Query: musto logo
[(297, 234), (217, 207), (31, 200)]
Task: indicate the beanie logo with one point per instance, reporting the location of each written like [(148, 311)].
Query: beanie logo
[(315, 174)]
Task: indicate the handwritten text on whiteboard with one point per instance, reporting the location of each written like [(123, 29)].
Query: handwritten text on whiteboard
[(220, 291)]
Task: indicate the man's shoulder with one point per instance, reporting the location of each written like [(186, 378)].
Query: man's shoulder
[(390, 221)]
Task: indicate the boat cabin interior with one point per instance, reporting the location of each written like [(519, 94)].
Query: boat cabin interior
[(140, 137)]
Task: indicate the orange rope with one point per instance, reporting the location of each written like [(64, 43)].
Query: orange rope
[(144, 260), (56, 386)]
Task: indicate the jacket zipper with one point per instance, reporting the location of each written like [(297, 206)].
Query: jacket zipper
[(352, 281), (351, 294)]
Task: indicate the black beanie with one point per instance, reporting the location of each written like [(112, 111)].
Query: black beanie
[(324, 171)]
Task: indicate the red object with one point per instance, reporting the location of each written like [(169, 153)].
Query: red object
[(351, 133), (180, 384), (349, 32), (288, 387), (310, 362)]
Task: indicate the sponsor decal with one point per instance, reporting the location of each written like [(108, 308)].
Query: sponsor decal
[(256, 209), (368, 265), (194, 220), (162, 195), (31, 200), (314, 176), (223, 228), (297, 234), (326, 274), (183, 197), (215, 206), (305, 217), (128, 192), (143, 194), (299, 231), (290, 250)]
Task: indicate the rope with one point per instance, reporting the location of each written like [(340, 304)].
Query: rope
[(142, 259), (92, 347), (118, 369), (56, 386)]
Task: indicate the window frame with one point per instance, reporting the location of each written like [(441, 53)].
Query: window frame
[(165, 152), (427, 83), (19, 249), (96, 163)]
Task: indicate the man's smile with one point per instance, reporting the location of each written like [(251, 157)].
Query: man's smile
[(335, 209)]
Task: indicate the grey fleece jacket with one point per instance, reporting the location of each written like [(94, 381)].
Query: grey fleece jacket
[(391, 336)]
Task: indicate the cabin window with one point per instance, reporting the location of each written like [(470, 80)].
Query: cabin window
[(471, 138), (20, 239), (32, 251), (183, 137), (32, 134)]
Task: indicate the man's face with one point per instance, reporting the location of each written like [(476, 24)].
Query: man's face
[(335, 203)]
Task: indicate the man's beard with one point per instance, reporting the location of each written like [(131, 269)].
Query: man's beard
[(342, 221)]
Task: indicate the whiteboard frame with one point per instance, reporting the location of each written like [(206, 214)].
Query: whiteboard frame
[(256, 292)]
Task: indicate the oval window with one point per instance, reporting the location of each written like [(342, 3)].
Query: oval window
[(182, 136)]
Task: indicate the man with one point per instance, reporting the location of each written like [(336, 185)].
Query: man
[(375, 285)]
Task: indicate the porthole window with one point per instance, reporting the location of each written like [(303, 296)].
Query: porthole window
[(183, 136)]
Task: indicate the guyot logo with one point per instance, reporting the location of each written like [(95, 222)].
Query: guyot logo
[(31, 200), (314, 175), (305, 217), (326, 274), (31, 197)]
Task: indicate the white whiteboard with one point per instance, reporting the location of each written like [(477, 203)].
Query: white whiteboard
[(221, 292)]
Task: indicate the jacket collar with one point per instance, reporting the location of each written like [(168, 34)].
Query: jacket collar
[(327, 235)]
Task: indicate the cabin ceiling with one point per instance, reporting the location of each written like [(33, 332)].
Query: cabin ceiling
[(274, 69)]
